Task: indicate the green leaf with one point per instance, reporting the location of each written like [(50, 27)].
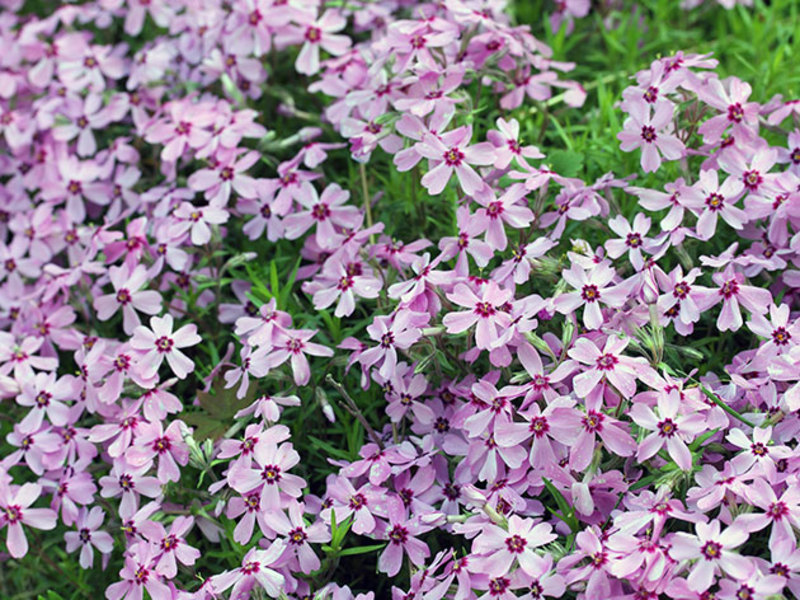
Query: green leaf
[(217, 409), (568, 513), (361, 550), (565, 162)]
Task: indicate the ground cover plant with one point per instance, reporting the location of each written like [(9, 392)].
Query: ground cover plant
[(396, 299)]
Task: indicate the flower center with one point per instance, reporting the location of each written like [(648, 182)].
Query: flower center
[(780, 336), (164, 344), (398, 534), (453, 157), (634, 240), (714, 201), (516, 544), (484, 309), (735, 113), (648, 134), (297, 536), (729, 288), (313, 34), (590, 293), (593, 421), (667, 428), (711, 550), (123, 296), (271, 474), (320, 212), (606, 362)]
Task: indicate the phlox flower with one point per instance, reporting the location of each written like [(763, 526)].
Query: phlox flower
[(15, 511), (129, 295), (88, 536), (487, 311), (270, 473), (45, 395), (401, 532), (299, 536), (782, 513), (344, 282), (501, 548), (325, 212), (138, 575), (450, 153), (160, 342), (315, 34), (128, 483), (731, 293), (293, 345), (633, 239), (651, 134), (737, 113), (668, 428), (505, 210), (713, 550), (197, 220), (152, 441), (171, 543), (593, 287), (507, 144), (608, 364), (395, 332), (715, 200)]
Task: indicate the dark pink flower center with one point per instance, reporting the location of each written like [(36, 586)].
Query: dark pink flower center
[(681, 290), (633, 240), (85, 535), (313, 34), (650, 94), (387, 340), (169, 543), (715, 201), (226, 174), (320, 212), (164, 344), (123, 296), (251, 567), (648, 134), (43, 399), (494, 210), (778, 510), (711, 550), (590, 293), (516, 544), (345, 283), (667, 428), (295, 346), (752, 179), (297, 536), (606, 362), (398, 535), (498, 585), (759, 449), (735, 113), (126, 483), (593, 421), (357, 501), (729, 288), (162, 445), (453, 157), (484, 309), (780, 336), (271, 474), (13, 514)]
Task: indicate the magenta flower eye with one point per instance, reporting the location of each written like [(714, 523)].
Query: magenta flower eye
[(74, 187), (729, 288), (43, 399), (607, 362), (297, 536), (648, 134), (711, 550), (593, 421), (226, 174), (357, 501), (251, 567), (453, 157), (735, 113), (85, 535), (598, 559), (681, 290), (667, 428), (759, 449), (590, 293), (387, 340), (313, 34), (169, 543), (498, 585), (13, 514), (320, 212), (123, 296), (780, 336), (715, 201), (650, 95), (345, 283), (752, 179), (398, 535), (515, 544), (271, 474), (164, 344), (254, 18), (633, 240), (484, 309)]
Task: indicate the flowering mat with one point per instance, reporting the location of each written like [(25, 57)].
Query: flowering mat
[(366, 300)]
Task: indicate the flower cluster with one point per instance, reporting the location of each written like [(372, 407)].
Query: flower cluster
[(539, 428)]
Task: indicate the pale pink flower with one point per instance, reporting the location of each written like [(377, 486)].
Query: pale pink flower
[(161, 342)]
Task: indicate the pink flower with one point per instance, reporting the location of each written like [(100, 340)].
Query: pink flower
[(498, 211), (88, 536), (609, 365), (507, 144), (502, 547), (160, 342), (168, 446), (138, 575), (171, 544), (300, 536), (129, 482), (450, 153), (781, 513), (315, 34), (45, 394), (715, 200), (632, 241), (128, 295), (255, 570), (397, 332), (713, 550), (293, 345), (15, 511), (401, 532), (487, 311), (270, 474), (325, 211), (197, 220), (593, 288), (737, 113), (668, 428), (651, 134), (732, 292)]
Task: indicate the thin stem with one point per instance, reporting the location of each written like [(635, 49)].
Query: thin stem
[(367, 204), (351, 407)]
